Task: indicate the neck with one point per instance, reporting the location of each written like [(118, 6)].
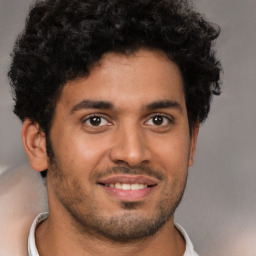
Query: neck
[(61, 238)]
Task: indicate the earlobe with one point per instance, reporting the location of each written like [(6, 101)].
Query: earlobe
[(193, 143), (35, 145)]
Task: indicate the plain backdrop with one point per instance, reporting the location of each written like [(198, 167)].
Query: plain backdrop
[(219, 206)]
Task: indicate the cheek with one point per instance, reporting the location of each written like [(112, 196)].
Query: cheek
[(173, 151), (81, 151)]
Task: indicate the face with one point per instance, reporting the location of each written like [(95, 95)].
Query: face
[(121, 146)]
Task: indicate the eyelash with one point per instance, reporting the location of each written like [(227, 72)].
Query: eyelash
[(169, 119), (94, 116)]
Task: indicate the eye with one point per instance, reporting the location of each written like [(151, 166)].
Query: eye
[(158, 120), (96, 121)]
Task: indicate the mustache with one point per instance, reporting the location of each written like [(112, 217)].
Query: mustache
[(140, 170)]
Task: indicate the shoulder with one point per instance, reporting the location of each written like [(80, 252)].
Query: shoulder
[(189, 246), (22, 196), (32, 250)]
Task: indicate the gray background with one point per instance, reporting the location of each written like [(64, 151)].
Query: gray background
[(219, 206)]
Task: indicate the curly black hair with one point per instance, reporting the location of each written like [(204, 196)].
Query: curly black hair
[(63, 39)]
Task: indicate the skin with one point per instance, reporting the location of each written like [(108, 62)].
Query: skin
[(126, 142)]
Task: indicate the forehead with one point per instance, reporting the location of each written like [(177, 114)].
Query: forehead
[(138, 79)]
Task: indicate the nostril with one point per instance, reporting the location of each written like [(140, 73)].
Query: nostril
[(130, 150)]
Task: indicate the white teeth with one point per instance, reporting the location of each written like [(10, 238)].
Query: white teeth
[(124, 186), (118, 185), (135, 186), (141, 186)]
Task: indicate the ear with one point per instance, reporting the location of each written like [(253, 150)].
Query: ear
[(193, 142), (35, 145)]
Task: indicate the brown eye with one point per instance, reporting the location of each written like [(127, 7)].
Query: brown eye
[(158, 120), (96, 121)]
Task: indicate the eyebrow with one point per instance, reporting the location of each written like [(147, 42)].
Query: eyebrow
[(92, 104), (84, 104), (164, 104)]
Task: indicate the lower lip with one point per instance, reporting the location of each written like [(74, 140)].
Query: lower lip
[(129, 195)]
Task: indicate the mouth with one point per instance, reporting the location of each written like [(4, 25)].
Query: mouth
[(128, 188), (125, 186)]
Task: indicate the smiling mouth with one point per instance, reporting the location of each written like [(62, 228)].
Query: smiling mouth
[(129, 187), (126, 186)]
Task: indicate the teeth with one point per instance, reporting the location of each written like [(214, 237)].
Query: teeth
[(135, 186), (141, 186), (124, 186)]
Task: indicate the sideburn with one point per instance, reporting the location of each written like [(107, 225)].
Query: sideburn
[(50, 153)]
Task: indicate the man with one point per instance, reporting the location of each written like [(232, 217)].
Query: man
[(111, 94)]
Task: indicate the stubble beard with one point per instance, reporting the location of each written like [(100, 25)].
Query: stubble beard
[(128, 226)]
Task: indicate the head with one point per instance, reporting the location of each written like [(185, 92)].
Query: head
[(108, 54)]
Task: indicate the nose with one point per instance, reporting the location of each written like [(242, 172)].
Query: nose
[(130, 147)]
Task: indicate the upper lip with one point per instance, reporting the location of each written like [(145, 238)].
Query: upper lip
[(129, 179)]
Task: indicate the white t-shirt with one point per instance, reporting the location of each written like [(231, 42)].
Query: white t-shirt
[(32, 250)]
